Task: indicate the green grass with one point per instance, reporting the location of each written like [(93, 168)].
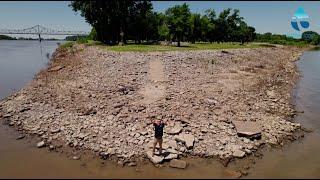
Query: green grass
[(197, 46), (67, 45)]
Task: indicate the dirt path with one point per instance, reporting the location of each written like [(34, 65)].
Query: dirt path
[(154, 89)]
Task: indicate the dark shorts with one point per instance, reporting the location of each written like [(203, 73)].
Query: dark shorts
[(158, 139)]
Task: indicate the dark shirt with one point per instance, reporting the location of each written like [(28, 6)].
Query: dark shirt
[(158, 130)]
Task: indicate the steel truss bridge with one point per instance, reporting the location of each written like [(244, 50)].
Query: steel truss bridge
[(40, 30)]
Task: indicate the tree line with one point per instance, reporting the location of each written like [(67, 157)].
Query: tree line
[(115, 22), (307, 37)]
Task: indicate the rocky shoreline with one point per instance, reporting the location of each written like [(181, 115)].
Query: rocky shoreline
[(102, 101)]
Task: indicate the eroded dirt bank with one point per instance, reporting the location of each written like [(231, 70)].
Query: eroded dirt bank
[(105, 101)]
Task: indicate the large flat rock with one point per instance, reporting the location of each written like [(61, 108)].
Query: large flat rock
[(188, 139), (248, 128), (154, 159), (175, 163)]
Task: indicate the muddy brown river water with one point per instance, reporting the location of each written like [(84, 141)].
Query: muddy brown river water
[(20, 60)]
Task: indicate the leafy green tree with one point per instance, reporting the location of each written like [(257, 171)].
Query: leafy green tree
[(178, 21), (164, 32), (315, 40), (309, 36), (195, 28), (93, 35), (110, 18), (209, 22)]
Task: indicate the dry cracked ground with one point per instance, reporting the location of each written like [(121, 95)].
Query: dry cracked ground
[(105, 101)]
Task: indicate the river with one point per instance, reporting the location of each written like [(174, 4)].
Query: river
[(20, 60)]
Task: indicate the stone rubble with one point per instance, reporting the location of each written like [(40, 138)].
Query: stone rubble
[(92, 100)]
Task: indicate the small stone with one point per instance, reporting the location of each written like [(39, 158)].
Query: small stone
[(7, 115), (55, 130), (175, 163), (171, 156), (204, 130), (143, 133), (20, 137), (41, 144), (56, 68), (75, 157), (105, 137), (132, 164), (238, 153), (211, 101)]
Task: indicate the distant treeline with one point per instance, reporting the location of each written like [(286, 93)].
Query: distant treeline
[(5, 37), (308, 37), (116, 22), (74, 38)]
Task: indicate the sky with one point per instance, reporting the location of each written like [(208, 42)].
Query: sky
[(272, 16)]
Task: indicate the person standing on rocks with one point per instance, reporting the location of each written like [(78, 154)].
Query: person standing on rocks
[(158, 133)]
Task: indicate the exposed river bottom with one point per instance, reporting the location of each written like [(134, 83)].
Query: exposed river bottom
[(299, 159)]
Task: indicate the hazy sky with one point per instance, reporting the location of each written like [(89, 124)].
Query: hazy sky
[(264, 16)]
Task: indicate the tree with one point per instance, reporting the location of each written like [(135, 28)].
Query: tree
[(315, 40), (164, 32), (244, 33), (93, 35), (195, 27), (309, 36), (110, 18), (178, 21), (209, 22)]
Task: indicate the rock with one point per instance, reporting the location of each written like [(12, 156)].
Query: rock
[(171, 156), (6, 115), (132, 164), (90, 111), (25, 109), (173, 144), (20, 137), (143, 133), (51, 147), (203, 130), (232, 174), (154, 159), (238, 153), (119, 105), (188, 139), (56, 68), (211, 101), (248, 129), (175, 163), (271, 94), (104, 155), (55, 130), (175, 130), (41, 144), (105, 136), (76, 157)]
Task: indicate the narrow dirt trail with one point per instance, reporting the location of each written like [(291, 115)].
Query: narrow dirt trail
[(154, 89)]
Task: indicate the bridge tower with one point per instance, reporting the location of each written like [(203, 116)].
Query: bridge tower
[(38, 26)]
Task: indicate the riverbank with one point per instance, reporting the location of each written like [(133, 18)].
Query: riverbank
[(104, 101)]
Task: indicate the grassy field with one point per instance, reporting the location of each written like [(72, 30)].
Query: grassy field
[(153, 47), (197, 46)]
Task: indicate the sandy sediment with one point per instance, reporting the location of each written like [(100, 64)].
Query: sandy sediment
[(105, 101)]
